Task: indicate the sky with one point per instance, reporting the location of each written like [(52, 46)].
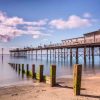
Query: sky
[(38, 22)]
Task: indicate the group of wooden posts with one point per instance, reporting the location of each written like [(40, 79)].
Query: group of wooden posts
[(77, 73)]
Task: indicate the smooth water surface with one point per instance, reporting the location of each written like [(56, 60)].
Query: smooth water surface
[(64, 67)]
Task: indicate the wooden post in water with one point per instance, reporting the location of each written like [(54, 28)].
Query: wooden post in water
[(77, 78), (19, 69), (27, 69), (16, 67), (23, 71), (41, 73), (53, 75), (33, 71)]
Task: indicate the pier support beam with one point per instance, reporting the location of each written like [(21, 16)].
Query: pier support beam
[(41, 54), (92, 55), (50, 54), (47, 54), (55, 54), (70, 55), (36, 54), (89, 53), (58, 54), (85, 55), (61, 54), (64, 54)]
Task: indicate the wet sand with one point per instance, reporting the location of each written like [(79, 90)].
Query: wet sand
[(32, 90)]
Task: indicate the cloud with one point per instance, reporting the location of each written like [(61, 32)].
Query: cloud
[(72, 22), (10, 27), (87, 15)]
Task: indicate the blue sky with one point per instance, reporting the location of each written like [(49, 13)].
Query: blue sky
[(33, 22)]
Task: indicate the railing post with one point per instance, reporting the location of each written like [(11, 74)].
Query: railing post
[(77, 78), (53, 74), (33, 71)]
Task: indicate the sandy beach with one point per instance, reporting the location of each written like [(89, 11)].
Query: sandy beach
[(33, 90)]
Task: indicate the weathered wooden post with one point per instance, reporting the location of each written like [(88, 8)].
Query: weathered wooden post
[(40, 73), (53, 75), (77, 78), (16, 67), (27, 69), (23, 71), (19, 69), (70, 55), (33, 71)]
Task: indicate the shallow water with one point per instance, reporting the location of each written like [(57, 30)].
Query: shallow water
[(64, 68)]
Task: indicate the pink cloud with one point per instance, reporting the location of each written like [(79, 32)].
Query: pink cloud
[(72, 22), (9, 29)]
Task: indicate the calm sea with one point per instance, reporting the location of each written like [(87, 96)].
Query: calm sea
[(64, 68)]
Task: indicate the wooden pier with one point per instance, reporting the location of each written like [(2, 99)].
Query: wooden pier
[(68, 47)]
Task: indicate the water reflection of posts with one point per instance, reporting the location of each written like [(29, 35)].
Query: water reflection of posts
[(76, 55), (2, 55)]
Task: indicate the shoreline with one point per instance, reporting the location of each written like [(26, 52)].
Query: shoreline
[(32, 90)]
